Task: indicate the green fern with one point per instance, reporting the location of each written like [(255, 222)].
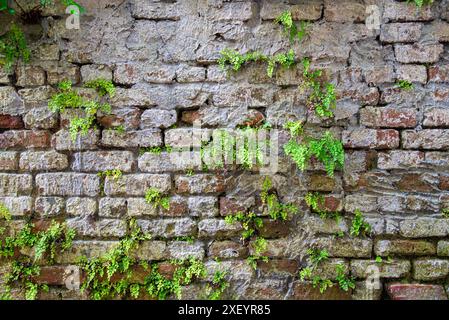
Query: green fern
[(285, 19), (316, 203), (102, 86), (345, 282), (322, 98), (232, 59), (67, 97), (286, 60), (154, 196), (4, 212), (13, 47), (327, 150), (359, 225), (404, 85), (235, 60)]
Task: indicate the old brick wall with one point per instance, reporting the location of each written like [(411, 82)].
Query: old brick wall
[(162, 56)]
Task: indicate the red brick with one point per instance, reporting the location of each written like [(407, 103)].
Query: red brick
[(414, 182), (24, 139), (190, 116), (439, 73), (51, 275), (371, 138), (227, 249), (416, 291), (429, 139), (278, 266), (444, 183), (400, 159), (275, 229), (441, 94), (436, 117), (178, 207), (418, 53), (231, 206), (388, 117), (305, 291), (11, 122), (204, 183)]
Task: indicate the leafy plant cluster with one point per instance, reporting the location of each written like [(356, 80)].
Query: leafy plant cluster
[(107, 277), (316, 203), (276, 209), (69, 98), (13, 47), (316, 258), (43, 246), (322, 98), (218, 285), (327, 149), (359, 226), (285, 19), (99, 271), (234, 60), (251, 222), (155, 197), (114, 274), (4, 212)]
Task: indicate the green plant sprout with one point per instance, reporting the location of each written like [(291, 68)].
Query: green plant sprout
[(102, 86), (13, 47), (290, 28), (322, 98), (276, 209), (232, 59), (317, 255), (327, 150), (115, 174), (344, 281), (4, 212), (218, 286), (154, 196), (404, 85), (420, 3), (69, 98), (445, 212), (43, 245), (359, 225), (252, 223)]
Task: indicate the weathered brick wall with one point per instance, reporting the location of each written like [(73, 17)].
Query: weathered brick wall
[(162, 56)]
